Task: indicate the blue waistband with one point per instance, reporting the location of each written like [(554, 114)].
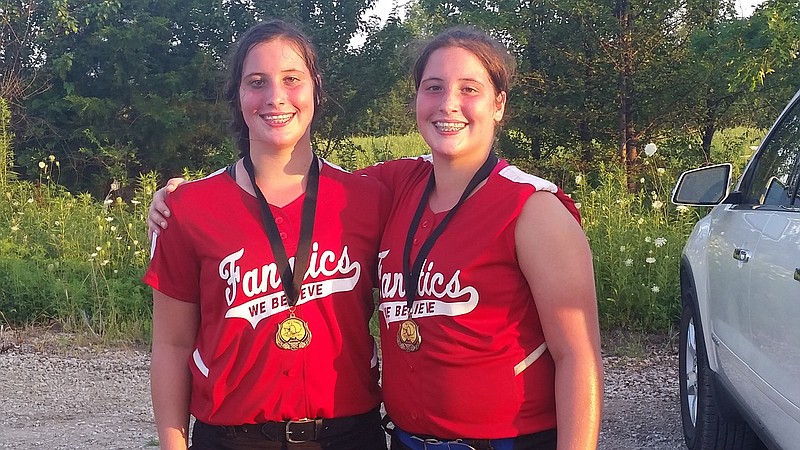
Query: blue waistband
[(418, 443)]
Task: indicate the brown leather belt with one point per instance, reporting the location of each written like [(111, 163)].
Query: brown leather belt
[(298, 431)]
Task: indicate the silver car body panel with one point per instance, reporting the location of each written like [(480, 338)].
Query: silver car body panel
[(749, 307)]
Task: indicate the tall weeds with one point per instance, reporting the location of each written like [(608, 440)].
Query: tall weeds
[(73, 260), (636, 240), (6, 156)]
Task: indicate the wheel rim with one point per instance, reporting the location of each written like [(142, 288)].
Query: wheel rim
[(691, 371)]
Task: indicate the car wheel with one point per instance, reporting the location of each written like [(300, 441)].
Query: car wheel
[(703, 426)]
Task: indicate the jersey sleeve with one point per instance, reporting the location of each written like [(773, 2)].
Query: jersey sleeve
[(394, 174), (174, 267), (569, 203)]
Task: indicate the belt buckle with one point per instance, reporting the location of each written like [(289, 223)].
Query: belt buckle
[(457, 444), (288, 431)]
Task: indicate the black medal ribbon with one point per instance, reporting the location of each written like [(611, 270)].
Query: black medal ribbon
[(291, 280), (412, 272)]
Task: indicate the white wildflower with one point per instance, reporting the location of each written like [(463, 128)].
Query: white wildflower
[(650, 260), (655, 289), (660, 241), (657, 204), (650, 149), (628, 262)]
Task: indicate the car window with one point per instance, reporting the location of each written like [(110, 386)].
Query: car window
[(774, 180)]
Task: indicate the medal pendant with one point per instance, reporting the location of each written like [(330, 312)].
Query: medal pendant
[(293, 334), (408, 337)]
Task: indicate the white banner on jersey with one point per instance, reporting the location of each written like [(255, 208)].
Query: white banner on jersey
[(257, 309), (431, 287), (397, 311)]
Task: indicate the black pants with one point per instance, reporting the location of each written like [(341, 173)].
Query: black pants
[(544, 440), (365, 435)]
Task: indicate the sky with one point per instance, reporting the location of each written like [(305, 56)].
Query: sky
[(743, 7)]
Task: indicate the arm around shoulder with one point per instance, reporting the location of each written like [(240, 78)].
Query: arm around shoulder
[(555, 258)]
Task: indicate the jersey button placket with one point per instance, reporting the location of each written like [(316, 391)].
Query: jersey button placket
[(424, 230), (281, 222)]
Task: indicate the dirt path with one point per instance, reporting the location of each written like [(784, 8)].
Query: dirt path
[(57, 395)]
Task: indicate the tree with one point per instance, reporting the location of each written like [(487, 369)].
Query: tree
[(135, 86), (380, 91)]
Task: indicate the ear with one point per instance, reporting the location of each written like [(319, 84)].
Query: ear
[(499, 106)]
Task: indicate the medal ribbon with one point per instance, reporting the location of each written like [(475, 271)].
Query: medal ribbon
[(291, 280), (412, 273)]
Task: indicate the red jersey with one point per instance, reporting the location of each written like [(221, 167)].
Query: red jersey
[(216, 253), (482, 370)]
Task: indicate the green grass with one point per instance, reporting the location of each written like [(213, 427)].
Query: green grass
[(365, 151)]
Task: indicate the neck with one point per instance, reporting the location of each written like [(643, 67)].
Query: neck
[(280, 176), (452, 178)]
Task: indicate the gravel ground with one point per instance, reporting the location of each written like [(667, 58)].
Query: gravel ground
[(58, 394)]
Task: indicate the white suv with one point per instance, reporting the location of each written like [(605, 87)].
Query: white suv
[(740, 284)]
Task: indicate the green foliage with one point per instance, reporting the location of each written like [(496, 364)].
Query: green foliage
[(768, 42), (115, 88), (636, 240), (75, 260), (6, 155)]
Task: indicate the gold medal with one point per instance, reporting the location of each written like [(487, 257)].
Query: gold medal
[(293, 333), (408, 337)]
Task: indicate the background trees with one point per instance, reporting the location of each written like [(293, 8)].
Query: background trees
[(116, 88)]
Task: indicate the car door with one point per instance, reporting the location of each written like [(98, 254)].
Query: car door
[(734, 233), (773, 350)]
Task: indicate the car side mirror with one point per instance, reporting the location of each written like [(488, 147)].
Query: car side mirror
[(706, 186)]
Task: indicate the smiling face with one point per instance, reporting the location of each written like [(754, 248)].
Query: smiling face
[(457, 105), (276, 95)]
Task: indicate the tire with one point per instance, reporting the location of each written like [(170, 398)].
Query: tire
[(703, 426)]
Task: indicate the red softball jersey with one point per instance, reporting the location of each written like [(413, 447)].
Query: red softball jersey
[(483, 369), (216, 253)]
